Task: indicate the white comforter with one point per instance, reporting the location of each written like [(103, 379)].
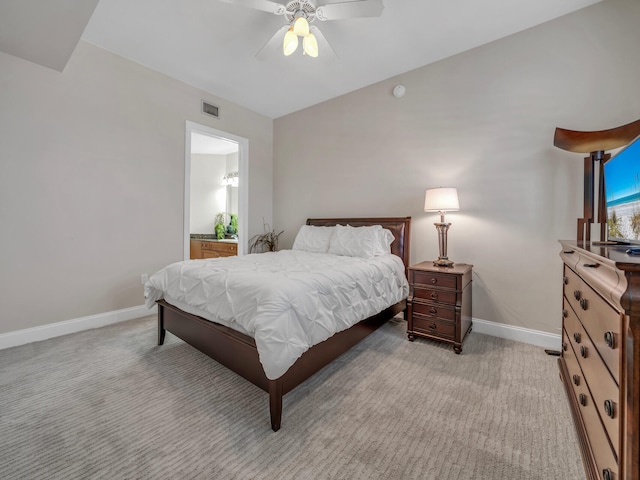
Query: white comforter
[(287, 301)]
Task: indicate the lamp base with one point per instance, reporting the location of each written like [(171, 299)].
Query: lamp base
[(443, 262)]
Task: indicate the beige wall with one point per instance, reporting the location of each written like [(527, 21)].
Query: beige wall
[(92, 181), (482, 121)]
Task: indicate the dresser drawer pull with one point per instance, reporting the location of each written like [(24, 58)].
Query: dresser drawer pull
[(576, 379), (576, 337), (433, 311), (565, 314), (565, 280), (609, 408), (610, 339), (583, 351), (433, 326), (583, 303), (568, 252), (577, 294), (434, 281), (434, 296), (564, 346), (583, 399), (607, 474), (591, 265)]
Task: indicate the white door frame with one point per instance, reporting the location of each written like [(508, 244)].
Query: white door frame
[(243, 182)]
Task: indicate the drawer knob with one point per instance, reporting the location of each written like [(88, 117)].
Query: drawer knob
[(565, 314), (568, 252), (583, 399), (610, 339), (433, 326), (433, 311), (583, 303), (590, 265), (434, 296), (434, 280), (576, 380), (576, 337), (565, 280), (564, 346), (609, 408), (583, 351), (607, 474), (577, 294)]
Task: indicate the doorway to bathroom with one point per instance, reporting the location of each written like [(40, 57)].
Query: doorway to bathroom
[(216, 179)]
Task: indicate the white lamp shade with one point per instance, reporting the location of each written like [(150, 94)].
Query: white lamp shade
[(301, 27), (441, 200), (290, 42), (310, 45)]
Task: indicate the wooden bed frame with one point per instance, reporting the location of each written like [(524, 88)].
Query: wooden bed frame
[(238, 352)]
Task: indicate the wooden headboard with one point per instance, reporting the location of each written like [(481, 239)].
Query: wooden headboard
[(400, 227)]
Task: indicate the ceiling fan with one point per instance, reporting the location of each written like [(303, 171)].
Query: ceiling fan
[(299, 14)]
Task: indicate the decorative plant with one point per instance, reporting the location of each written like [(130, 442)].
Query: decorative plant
[(232, 228), (264, 242), (220, 229)]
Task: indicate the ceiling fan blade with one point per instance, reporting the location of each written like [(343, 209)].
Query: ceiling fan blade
[(264, 5), (324, 47), (339, 11), (273, 44)]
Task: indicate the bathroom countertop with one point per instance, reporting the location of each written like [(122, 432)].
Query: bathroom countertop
[(211, 237)]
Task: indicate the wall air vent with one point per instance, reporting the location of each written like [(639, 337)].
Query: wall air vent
[(210, 110)]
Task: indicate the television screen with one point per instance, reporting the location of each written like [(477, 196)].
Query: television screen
[(622, 194)]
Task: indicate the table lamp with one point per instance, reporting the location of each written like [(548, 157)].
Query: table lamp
[(442, 200)]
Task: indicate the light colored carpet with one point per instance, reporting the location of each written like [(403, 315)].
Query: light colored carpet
[(111, 404)]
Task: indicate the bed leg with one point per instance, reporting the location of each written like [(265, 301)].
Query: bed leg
[(275, 403), (161, 330)]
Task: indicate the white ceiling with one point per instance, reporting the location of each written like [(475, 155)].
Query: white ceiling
[(208, 145), (45, 33), (212, 45)]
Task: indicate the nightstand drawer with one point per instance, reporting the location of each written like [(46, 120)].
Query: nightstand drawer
[(435, 311), (433, 326), (435, 279), (440, 296)]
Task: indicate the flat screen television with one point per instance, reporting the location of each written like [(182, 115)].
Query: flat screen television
[(622, 194)]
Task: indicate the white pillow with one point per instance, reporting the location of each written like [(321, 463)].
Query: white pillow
[(313, 239), (385, 239), (364, 242)]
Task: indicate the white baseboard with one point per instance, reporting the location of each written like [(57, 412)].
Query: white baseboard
[(44, 332), (551, 341)]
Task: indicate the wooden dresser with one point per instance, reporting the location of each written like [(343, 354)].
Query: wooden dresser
[(600, 359), (212, 249), (439, 303)]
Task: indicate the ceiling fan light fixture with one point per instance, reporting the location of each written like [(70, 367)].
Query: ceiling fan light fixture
[(310, 45), (290, 43), (301, 27)]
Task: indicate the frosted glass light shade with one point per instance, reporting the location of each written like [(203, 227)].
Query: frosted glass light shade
[(290, 43), (310, 45), (441, 200), (301, 27)]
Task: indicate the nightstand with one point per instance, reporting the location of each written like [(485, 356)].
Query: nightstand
[(439, 303)]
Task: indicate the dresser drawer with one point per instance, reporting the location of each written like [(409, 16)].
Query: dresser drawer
[(433, 326), (435, 279), (601, 321), (598, 439), (435, 311), (220, 247), (603, 389), (441, 296)]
